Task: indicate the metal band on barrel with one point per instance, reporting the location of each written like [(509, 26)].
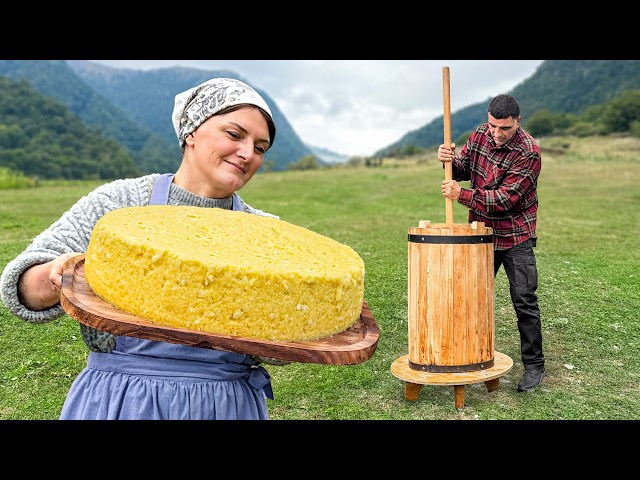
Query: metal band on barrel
[(472, 367), (446, 239)]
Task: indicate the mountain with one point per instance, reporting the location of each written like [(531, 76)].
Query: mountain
[(133, 107), (120, 119), (54, 79), (41, 138), (569, 86), (147, 97)]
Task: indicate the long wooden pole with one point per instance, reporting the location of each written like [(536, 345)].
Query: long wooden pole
[(448, 174)]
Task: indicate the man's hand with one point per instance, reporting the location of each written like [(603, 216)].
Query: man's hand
[(446, 154), (451, 189)]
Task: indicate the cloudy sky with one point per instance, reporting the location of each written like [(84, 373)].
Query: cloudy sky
[(356, 107)]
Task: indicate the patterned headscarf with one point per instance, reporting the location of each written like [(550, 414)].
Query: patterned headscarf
[(197, 104)]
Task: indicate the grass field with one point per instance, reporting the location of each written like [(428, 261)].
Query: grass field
[(589, 269)]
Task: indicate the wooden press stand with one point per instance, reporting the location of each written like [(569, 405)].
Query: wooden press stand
[(415, 379)]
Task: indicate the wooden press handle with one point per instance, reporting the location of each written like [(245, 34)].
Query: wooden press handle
[(448, 174)]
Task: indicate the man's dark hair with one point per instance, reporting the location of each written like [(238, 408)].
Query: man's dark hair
[(504, 106)]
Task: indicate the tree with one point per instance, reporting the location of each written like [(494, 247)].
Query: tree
[(308, 162), (541, 123), (622, 111), (267, 166)]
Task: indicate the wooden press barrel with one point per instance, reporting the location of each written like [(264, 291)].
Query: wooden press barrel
[(451, 297)]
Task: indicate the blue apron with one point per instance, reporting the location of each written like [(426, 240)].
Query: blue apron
[(147, 379)]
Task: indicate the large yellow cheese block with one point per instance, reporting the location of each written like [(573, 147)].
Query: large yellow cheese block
[(224, 272)]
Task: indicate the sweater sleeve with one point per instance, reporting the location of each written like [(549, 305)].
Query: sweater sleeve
[(70, 233)]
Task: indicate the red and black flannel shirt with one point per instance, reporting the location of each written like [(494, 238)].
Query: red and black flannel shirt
[(503, 189)]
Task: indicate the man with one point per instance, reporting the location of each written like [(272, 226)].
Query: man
[(502, 162)]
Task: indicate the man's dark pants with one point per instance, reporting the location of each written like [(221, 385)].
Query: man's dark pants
[(520, 266)]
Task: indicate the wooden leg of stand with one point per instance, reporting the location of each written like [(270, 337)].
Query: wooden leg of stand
[(492, 385), (459, 393), (412, 390)]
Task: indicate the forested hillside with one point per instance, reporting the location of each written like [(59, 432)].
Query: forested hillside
[(54, 79), (41, 138), (569, 86)]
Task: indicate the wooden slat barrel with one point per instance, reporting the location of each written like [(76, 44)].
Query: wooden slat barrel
[(451, 297)]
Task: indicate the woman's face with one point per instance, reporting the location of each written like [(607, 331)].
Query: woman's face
[(226, 151)]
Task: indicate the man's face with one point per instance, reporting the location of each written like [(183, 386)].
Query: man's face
[(503, 129)]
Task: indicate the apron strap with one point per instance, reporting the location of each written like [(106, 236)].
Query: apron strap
[(160, 191)]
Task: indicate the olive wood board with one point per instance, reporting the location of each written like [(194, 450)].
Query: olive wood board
[(353, 346)]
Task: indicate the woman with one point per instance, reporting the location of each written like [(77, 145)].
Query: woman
[(224, 128)]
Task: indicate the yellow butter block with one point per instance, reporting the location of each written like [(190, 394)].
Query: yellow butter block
[(225, 272)]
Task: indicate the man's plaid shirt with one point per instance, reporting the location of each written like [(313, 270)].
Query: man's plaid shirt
[(503, 189)]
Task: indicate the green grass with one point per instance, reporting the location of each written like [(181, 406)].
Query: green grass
[(589, 267)]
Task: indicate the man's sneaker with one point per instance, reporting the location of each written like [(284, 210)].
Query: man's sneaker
[(530, 379)]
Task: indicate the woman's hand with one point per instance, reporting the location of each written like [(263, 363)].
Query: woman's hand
[(39, 287)]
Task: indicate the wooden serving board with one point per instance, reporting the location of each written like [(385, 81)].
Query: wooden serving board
[(352, 346)]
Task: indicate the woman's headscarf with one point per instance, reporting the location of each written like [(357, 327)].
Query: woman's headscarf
[(197, 104)]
